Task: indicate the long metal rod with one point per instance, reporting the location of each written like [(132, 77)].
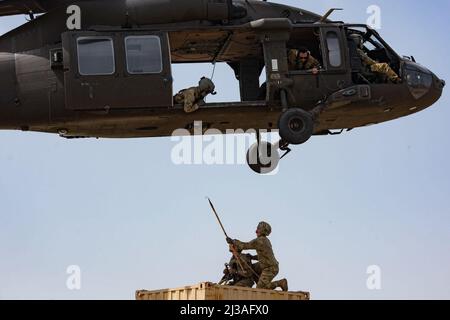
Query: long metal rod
[(233, 249), (217, 216)]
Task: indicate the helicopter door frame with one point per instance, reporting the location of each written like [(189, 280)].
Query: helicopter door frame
[(106, 70), (335, 61), (311, 88)]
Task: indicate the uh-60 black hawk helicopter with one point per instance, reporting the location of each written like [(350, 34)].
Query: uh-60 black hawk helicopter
[(102, 68)]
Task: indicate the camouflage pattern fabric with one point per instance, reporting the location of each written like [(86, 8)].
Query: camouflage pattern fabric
[(263, 248), (190, 98), (296, 64), (265, 280), (267, 267), (242, 277), (382, 68)]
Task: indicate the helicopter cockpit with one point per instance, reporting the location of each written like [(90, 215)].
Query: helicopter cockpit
[(375, 48)]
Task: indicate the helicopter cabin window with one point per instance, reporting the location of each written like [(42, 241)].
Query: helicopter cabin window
[(304, 39), (95, 56), (143, 54), (334, 49)]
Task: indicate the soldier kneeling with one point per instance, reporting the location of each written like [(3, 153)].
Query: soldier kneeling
[(268, 266), (193, 97)]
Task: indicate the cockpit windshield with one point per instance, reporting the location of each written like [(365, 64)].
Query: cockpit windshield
[(375, 61), (374, 43)]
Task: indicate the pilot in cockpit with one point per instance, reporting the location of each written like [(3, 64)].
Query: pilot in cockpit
[(374, 66)]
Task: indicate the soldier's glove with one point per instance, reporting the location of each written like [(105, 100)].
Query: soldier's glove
[(229, 240)]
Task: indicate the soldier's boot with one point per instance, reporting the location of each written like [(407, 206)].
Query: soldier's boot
[(194, 108), (190, 107), (283, 284)]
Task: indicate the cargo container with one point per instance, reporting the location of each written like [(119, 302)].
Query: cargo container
[(211, 291)]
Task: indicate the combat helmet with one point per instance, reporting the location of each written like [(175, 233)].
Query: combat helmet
[(264, 228), (206, 85), (357, 38)]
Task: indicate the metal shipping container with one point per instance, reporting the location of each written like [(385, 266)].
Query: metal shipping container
[(211, 291)]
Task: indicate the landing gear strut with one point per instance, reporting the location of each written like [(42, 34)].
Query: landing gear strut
[(284, 146)]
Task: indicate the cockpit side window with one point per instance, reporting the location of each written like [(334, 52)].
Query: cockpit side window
[(376, 50), (375, 62), (369, 46), (374, 47)]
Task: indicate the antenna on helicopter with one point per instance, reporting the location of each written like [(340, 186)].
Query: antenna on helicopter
[(329, 12)]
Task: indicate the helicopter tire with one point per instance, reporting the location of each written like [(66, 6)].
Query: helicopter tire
[(296, 126), (263, 158)]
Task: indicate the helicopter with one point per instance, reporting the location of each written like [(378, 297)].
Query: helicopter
[(103, 69)]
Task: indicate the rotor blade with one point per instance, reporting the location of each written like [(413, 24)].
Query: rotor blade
[(12, 7)]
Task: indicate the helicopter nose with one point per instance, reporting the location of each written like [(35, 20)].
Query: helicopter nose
[(439, 84), (436, 89)]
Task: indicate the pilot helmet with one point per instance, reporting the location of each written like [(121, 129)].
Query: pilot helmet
[(358, 39), (264, 228), (206, 85)]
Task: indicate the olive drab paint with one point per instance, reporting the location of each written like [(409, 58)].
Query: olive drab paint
[(67, 72)]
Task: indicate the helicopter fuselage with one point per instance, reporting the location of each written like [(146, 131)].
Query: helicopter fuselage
[(88, 81)]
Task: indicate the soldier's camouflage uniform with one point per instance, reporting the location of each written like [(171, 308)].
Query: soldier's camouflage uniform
[(296, 64), (193, 97), (190, 98), (243, 277), (268, 265), (378, 67)]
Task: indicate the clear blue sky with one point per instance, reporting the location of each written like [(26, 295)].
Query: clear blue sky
[(131, 219)]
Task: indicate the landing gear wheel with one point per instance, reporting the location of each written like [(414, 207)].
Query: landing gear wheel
[(296, 126), (263, 158)]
